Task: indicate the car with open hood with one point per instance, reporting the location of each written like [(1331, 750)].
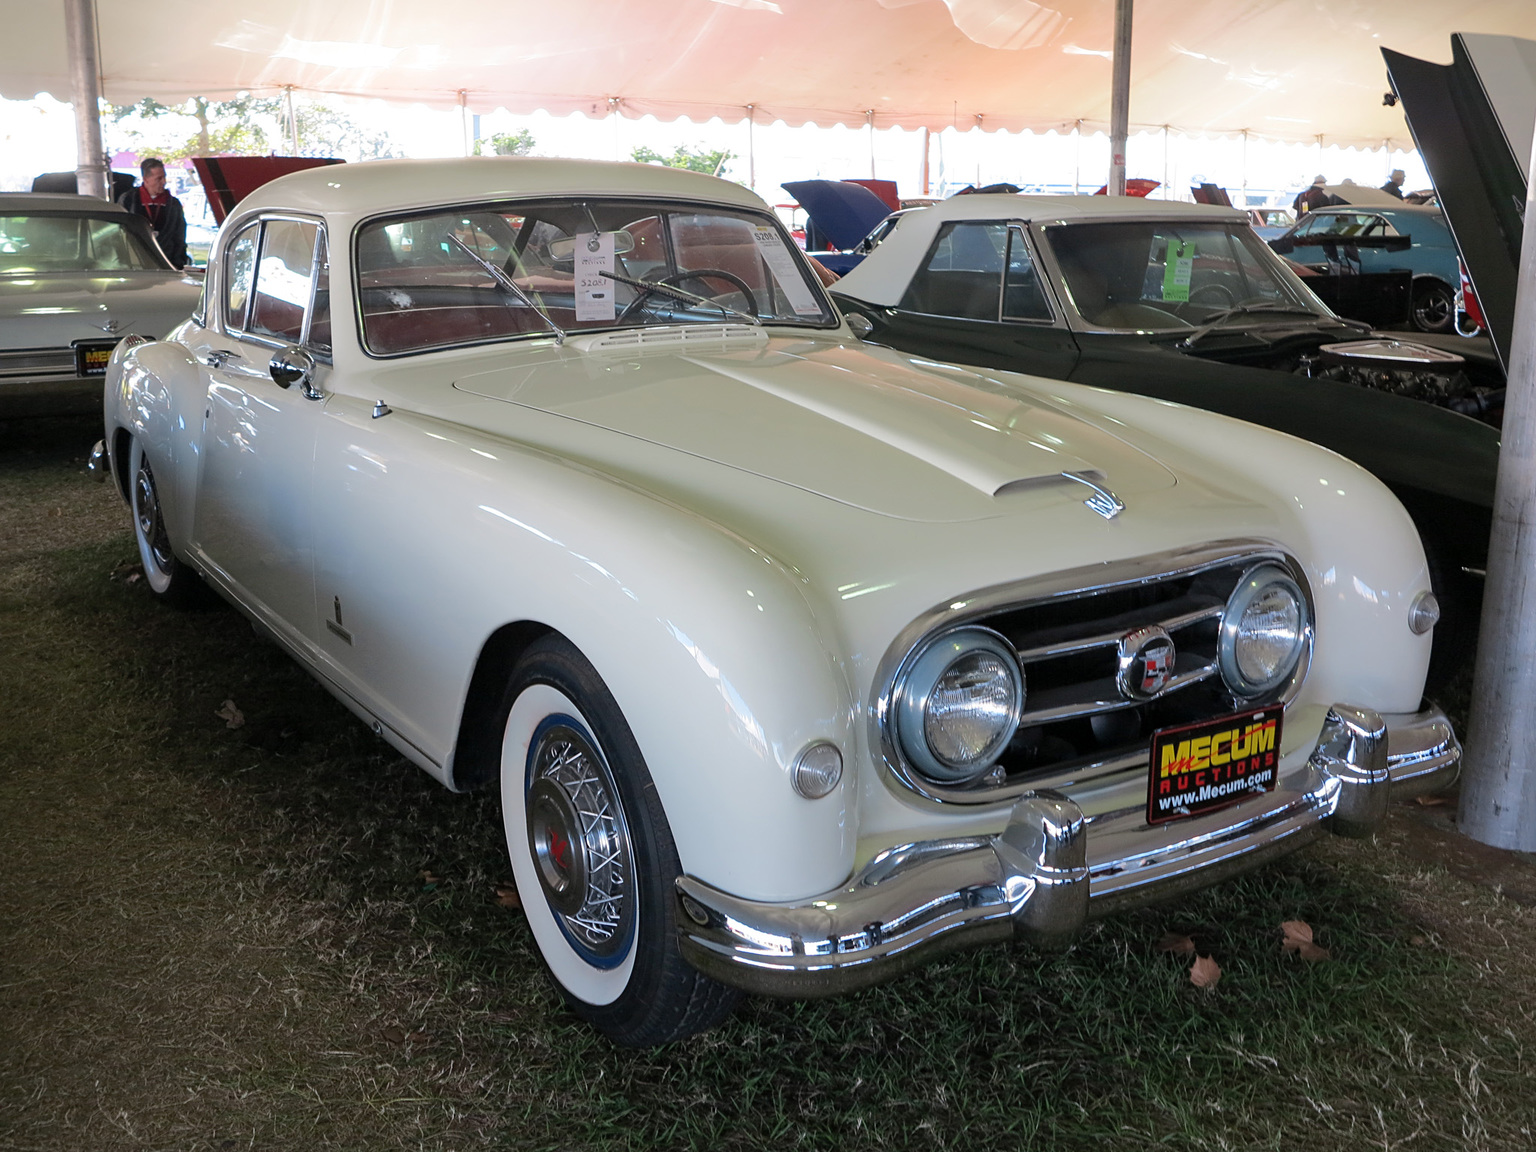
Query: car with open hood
[(76, 275), (1183, 302), (795, 660)]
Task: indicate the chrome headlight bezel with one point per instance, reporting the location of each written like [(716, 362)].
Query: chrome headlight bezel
[(1255, 582), (920, 677)]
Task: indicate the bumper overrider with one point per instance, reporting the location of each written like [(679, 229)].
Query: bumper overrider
[(1051, 869)]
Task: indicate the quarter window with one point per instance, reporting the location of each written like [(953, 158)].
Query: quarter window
[(1023, 295), (239, 275), (963, 275)]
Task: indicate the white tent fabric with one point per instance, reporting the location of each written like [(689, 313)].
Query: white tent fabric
[(1277, 69)]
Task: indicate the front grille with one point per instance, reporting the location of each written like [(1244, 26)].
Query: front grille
[(34, 361), (1077, 725)]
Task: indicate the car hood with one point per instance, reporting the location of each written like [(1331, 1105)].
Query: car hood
[(1472, 121), (51, 311), (865, 426), (844, 212)]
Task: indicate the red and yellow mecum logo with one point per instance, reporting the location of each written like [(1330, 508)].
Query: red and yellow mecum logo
[(1231, 747)]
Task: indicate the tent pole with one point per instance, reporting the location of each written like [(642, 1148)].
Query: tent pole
[(926, 149), (751, 151), (464, 120), (1077, 160), (293, 120), (91, 174), (869, 121), (1498, 791), (1120, 98)]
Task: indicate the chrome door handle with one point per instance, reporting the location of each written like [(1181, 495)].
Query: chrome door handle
[(220, 356)]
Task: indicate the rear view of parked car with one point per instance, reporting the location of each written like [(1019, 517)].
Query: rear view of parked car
[(76, 275)]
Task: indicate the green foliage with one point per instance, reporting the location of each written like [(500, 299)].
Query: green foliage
[(244, 126), (696, 159), (519, 143)]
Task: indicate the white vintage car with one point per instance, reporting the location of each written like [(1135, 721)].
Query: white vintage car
[(796, 660), (76, 276)]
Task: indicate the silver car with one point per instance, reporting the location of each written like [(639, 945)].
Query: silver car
[(76, 276)]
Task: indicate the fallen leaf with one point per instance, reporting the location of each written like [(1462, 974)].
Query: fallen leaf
[(1175, 943), (232, 716), (1418, 941), (1204, 972), (134, 578), (1297, 938), (507, 897), (1433, 801), (395, 1035)]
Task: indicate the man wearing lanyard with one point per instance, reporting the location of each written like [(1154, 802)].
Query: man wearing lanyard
[(151, 200)]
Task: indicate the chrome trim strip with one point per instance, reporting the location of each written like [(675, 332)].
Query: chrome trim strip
[(1111, 639), (1094, 701), (1039, 878), (1063, 586)]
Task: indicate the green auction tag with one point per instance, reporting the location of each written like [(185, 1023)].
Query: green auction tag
[(1177, 268)]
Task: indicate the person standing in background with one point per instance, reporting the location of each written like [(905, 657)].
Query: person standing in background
[(164, 212), (1314, 197), (1394, 184)]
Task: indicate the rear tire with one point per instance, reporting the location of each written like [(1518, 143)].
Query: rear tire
[(593, 856), (167, 577), (1434, 306)]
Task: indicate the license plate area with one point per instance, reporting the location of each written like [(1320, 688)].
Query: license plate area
[(1198, 768), (91, 356)]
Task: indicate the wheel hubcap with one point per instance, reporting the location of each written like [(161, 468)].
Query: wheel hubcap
[(151, 525), (580, 842)]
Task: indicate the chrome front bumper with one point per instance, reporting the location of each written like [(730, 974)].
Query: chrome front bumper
[(1051, 869)]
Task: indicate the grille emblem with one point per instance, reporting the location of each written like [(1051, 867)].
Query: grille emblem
[(110, 327), (1146, 658)]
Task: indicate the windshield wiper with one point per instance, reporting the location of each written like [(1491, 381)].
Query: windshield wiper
[(1273, 306), (509, 284), (679, 294)]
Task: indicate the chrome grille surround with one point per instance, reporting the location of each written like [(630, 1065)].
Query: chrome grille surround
[(1183, 590)]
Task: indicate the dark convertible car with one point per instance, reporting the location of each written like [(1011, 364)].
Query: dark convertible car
[(1185, 303)]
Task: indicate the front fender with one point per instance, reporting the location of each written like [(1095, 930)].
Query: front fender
[(436, 536)]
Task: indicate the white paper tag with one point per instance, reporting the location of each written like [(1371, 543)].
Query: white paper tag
[(594, 291), (784, 270)]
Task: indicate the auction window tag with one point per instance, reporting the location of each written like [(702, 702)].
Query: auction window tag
[(1178, 269), (784, 270), (594, 291)]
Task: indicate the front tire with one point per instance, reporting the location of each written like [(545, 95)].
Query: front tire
[(593, 856), (167, 577)]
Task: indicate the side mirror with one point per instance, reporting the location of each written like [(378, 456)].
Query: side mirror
[(293, 365)]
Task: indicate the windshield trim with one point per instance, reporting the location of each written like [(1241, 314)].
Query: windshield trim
[(831, 324), (1077, 322)]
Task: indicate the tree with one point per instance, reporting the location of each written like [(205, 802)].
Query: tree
[(245, 126), (696, 159), (519, 143)]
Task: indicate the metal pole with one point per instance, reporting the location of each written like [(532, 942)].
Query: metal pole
[(1498, 792), (751, 151), (293, 120), (926, 150), (91, 173), (1120, 98), (464, 121), (869, 120)]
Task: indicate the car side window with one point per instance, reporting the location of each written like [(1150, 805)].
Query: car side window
[(239, 274), (1023, 294), (963, 275), (284, 277)]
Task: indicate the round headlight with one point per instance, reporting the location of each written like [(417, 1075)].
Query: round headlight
[(1262, 632), (958, 704)]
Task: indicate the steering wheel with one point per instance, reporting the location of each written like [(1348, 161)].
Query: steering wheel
[(1214, 295), (677, 279)]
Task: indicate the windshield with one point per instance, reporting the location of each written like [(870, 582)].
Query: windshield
[(71, 244), (429, 281), (1152, 276)]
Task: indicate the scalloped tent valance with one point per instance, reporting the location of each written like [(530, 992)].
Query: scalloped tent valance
[(1278, 69)]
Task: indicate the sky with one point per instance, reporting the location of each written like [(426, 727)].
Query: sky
[(39, 136)]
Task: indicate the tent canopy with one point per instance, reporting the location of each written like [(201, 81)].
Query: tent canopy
[(1279, 69)]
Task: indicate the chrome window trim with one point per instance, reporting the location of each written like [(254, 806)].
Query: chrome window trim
[(242, 334), (975, 607)]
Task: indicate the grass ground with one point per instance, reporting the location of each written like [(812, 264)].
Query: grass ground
[(282, 936)]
